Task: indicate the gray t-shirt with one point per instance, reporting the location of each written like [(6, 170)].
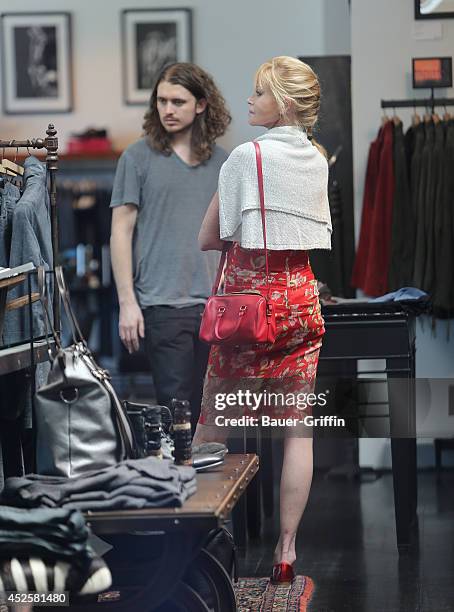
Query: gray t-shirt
[(172, 198)]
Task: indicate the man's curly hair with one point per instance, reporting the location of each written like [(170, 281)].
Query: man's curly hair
[(207, 126)]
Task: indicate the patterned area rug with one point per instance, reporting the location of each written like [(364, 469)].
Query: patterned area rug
[(259, 595)]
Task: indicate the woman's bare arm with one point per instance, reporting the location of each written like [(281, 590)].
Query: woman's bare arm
[(209, 239)]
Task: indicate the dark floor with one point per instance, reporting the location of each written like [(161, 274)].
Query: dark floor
[(347, 545)]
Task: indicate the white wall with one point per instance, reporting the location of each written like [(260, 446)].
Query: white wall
[(230, 40), (383, 44)]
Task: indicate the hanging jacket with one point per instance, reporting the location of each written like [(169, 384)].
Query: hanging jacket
[(444, 234), (376, 279), (31, 240), (415, 145), (434, 204), (425, 185), (362, 253), (9, 195), (402, 232)]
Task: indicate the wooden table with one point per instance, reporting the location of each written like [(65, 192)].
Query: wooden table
[(168, 546)]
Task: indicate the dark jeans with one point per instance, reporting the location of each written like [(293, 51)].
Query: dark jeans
[(178, 359)]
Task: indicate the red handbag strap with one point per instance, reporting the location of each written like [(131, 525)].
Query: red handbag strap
[(225, 249), (227, 245), (258, 159)]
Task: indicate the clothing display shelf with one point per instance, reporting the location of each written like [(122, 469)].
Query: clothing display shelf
[(50, 144), (26, 354), (418, 102)]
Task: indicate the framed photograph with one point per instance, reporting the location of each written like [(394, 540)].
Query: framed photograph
[(434, 9), (151, 39), (36, 63)]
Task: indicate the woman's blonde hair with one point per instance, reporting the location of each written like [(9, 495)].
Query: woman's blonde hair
[(291, 80)]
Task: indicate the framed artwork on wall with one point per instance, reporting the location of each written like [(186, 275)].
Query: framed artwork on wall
[(434, 9), (36, 63), (152, 38)]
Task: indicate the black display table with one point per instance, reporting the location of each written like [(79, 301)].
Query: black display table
[(377, 330)]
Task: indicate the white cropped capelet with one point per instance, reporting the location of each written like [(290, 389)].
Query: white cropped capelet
[(295, 179)]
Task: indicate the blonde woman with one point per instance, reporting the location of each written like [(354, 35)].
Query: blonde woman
[(286, 101)]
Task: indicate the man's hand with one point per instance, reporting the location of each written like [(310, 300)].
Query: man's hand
[(131, 326)]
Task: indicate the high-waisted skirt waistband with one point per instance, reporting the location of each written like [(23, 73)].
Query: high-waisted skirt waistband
[(254, 259)]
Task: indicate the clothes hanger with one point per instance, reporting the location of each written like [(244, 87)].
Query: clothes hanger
[(7, 171), (396, 119), (416, 119), (446, 116), (435, 117), (4, 169), (15, 168), (384, 118)]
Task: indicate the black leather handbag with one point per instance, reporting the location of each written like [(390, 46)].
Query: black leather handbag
[(81, 424)]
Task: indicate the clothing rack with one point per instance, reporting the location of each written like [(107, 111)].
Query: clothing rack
[(50, 143), (414, 102)]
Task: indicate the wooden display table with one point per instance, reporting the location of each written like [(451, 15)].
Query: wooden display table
[(166, 547)]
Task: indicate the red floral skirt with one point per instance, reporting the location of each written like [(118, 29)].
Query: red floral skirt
[(289, 365)]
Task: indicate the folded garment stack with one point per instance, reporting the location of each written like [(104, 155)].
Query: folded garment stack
[(131, 484), (47, 550)]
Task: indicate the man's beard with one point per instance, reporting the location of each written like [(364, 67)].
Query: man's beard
[(182, 130)]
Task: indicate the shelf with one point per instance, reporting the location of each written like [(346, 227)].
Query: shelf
[(18, 357)]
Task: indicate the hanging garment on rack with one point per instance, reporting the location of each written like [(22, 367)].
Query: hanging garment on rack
[(360, 265), (376, 278), (426, 185), (14, 387), (9, 195), (444, 234), (402, 232), (31, 240), (414, 153), (421, 189), (433, 204)]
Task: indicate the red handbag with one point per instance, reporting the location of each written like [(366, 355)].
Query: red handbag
[(244, 317)]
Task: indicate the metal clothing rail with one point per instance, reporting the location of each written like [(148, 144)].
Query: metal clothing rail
[(50, 143), (421, 102)]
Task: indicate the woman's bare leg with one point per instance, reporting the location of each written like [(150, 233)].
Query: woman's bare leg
[(295, 485)]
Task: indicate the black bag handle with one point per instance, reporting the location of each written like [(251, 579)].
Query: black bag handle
[(64, 294), (48, 323)]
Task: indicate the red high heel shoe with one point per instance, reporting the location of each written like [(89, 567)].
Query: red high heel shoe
[(282, 573)]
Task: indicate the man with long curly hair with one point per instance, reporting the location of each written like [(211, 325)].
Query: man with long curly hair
[(163, 185)]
